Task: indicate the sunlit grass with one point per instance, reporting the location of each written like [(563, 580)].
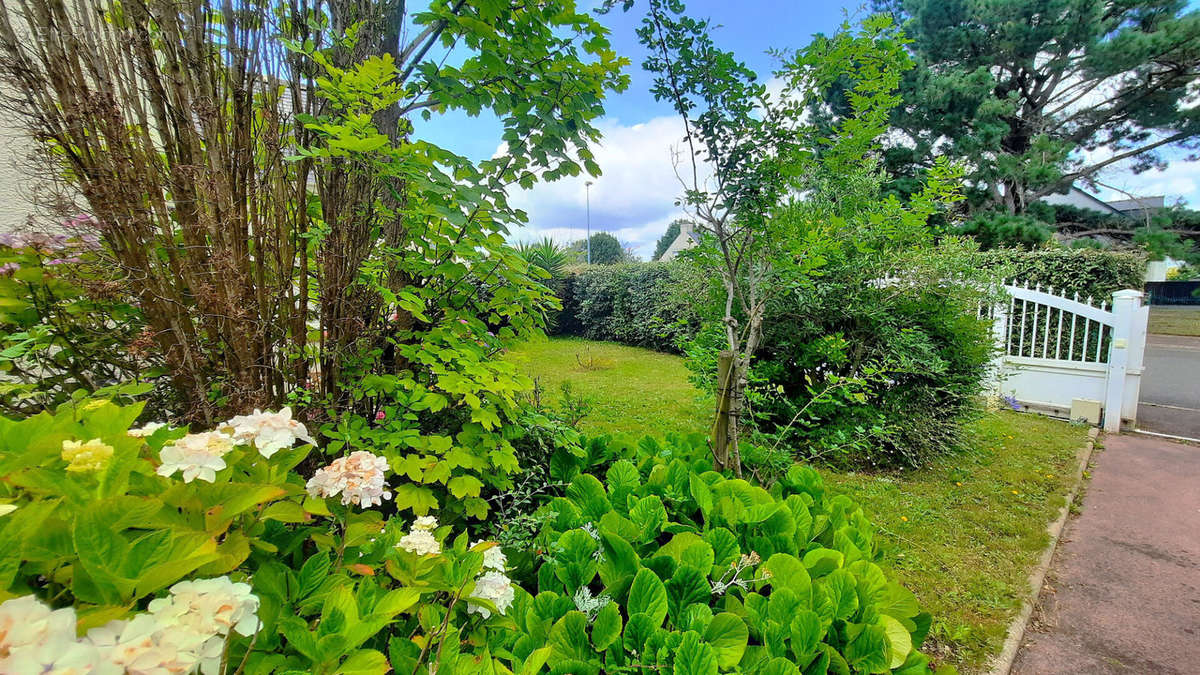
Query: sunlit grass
[(1175, 321), (963, 533)]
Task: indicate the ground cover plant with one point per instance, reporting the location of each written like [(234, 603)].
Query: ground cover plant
[(963, 531)]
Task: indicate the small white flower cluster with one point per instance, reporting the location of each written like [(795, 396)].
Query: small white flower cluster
[(731, 577), (492, 584), (201, 455), (184, 633), (358, 478), (420, 539), (587, 604), (269, 432)]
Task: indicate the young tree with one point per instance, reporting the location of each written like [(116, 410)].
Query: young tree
[(1032, 97), (263, 274), (763, 154)]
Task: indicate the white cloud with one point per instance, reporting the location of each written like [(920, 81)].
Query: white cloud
[(1180, 180), (633, 200)]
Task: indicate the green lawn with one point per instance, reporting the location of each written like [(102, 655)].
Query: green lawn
[(631, 391), (963, 533), (1175, 320)]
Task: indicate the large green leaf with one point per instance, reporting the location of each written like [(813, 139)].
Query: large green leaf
[(606, 628), (649, 515), (868, 652), (588, 494), (899, 640), (686, 587), (841, 588), (788, 572), (569, 638), (647, 595), (728, 635), (694, 656)]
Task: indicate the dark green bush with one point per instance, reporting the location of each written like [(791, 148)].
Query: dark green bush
[(639, 304), (1089, 272), (870, 376)]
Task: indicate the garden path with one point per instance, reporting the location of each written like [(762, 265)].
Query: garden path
[(1123, 593)]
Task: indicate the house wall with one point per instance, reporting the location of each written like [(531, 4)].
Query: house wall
[(15, 186)]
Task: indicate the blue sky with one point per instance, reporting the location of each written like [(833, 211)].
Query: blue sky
[(634, 198)]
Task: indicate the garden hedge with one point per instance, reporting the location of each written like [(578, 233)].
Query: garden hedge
[(1089, 272), (638, 304)]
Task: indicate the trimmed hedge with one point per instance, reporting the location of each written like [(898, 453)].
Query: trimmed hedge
[(639, 304), (1089, 272)]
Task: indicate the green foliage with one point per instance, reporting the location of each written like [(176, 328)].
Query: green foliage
[(546, 255), (639, 304), (1002, 230), (667, 564), (605, 249), (1090, 273), (336, 589), (103, 537), (1026, 126), (66, 326)]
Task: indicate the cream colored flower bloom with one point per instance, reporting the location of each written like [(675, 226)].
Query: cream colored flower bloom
[(90, 456), (33, 636), (493, 557), (208, 607), (358, 478), (144, 646), (269, 432), (196, 455), (495, 588), (147, 430), (421, 542), (425, 523)]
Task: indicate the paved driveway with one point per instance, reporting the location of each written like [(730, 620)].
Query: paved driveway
[(1170, 400), (1123, 593)]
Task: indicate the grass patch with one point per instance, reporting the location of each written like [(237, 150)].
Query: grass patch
[(632, 391), (963, 532), (966, 531), (1174, 320)]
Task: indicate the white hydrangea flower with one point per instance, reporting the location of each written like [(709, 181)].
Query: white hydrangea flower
[(143, 645), (425, 523), (420, 541), (196, 455), (358, 478), (37, 639), (209, 607), (493, 557), (147, 430), (269, 432), (494, 587)]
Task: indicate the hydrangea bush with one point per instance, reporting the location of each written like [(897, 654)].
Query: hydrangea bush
[(164, 550)]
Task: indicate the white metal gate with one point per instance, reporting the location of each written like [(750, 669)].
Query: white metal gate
[(1053, 350)]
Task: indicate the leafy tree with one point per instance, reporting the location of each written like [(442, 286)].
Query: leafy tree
[(1032, 97), (267, 275), (668, 238), (757, 236), (606, 249)]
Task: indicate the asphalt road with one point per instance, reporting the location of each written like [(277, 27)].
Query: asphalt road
[(1170, 399)]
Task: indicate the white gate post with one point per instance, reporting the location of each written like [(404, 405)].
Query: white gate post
[(999, 344), (1126, 305)]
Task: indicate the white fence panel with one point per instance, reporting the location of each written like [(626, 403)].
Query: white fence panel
[(1052, 350)]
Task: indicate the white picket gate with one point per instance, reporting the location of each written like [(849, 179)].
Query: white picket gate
[(1052, 350)]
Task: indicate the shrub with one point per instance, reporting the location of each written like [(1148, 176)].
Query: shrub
[(670, 565), (1089, 272), (66, 324), (639, 304), (182, 551), (868, 376)]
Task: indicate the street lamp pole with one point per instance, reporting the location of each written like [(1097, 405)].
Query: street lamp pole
[(587, 190)]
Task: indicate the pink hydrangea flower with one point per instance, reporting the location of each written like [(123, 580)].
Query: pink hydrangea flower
[(358, 478)]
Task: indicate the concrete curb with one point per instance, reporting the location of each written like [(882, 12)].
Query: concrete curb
[(1003, 663)]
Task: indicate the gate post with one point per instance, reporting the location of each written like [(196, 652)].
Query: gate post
[(1126, 306)]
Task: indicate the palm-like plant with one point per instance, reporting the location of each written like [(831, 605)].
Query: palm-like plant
[(547, 255)]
